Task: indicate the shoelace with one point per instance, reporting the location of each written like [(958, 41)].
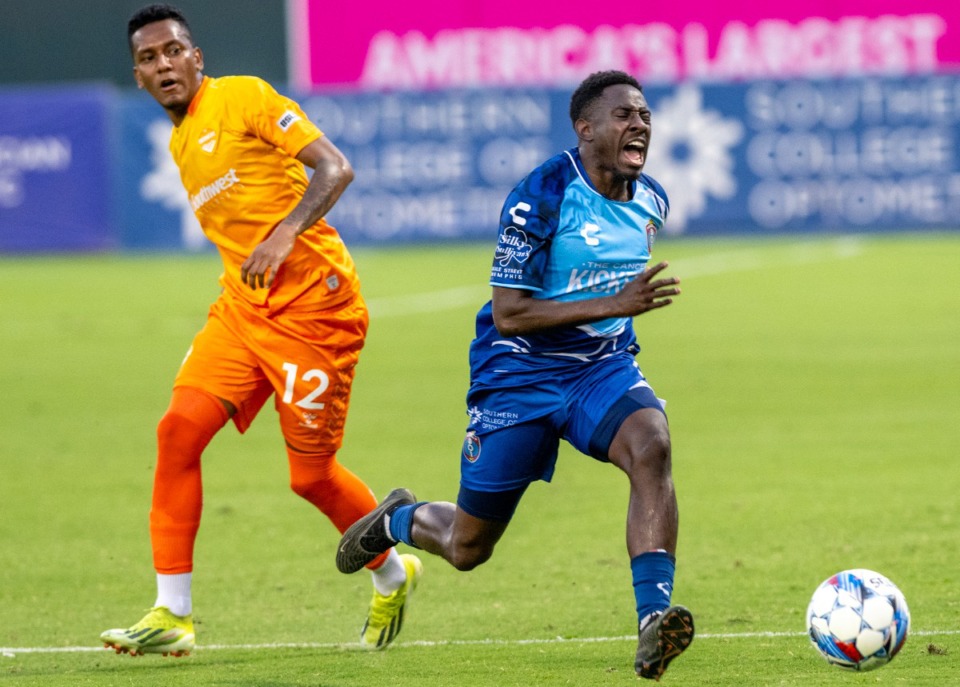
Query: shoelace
[(386, 608)]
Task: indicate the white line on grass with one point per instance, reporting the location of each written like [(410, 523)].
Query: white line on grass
[(721, 262), (11, 652)]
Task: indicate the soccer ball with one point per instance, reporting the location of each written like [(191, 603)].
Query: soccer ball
[(858, 619)]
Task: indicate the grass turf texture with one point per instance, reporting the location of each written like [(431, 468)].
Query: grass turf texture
[(813, 397)]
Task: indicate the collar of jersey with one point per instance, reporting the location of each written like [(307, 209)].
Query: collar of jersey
[(195, 103)]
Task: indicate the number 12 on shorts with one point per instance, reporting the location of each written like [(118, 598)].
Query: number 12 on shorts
[(309, 401)]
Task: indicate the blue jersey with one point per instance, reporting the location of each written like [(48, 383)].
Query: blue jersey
[(562, 240)]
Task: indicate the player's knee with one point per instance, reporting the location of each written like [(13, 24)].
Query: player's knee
[(191, 420), (311, 485), (645, 448), (465, 556), (305, 488), (175, 429), (653, 453), (316, 478)]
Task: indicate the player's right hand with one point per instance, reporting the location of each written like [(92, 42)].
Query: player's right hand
[(645, 292)]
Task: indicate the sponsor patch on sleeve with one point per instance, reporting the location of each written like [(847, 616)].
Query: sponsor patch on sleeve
[(287, 120)]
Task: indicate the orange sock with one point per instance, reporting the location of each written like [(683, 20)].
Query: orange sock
[(338, 493), (191, 421)]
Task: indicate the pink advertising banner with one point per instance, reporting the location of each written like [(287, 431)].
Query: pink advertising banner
[(385, 44)]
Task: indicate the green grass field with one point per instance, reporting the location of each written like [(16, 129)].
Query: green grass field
[(814, 397)]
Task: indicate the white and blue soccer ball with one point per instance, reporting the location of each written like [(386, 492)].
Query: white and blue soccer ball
[(858, 619)]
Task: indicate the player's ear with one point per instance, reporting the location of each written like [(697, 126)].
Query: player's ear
[(136, 76), (583, 129), (198, 58)]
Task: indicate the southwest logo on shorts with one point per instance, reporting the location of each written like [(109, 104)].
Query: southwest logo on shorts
[(471, 447)]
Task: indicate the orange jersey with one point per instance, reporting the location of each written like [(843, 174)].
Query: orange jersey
[(236, 150)]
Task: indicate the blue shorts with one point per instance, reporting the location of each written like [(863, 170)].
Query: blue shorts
[(515, 429)]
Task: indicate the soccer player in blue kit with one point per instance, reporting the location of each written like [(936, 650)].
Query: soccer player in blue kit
[(553, 358)]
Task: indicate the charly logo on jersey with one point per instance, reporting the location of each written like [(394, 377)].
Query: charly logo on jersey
[(512, 246), (515, 211), (471, 447), (589, 234), (208, 140), (651, 229)]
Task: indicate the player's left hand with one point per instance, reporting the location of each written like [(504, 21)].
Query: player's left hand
[(260, 269)]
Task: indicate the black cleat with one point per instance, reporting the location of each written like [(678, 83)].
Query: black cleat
[(368, 537), (662, 640)]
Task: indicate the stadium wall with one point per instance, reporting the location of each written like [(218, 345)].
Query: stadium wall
[(87, 168)]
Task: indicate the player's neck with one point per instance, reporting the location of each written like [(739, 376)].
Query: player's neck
[(611, 185)]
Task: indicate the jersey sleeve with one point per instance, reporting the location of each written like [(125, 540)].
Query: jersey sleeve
[(274, 118), (528, 222)]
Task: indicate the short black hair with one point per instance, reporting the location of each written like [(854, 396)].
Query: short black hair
[(592, 88), (152, 13)]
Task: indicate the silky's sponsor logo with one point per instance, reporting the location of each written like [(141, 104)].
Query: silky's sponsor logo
[(211, 191), (512, 246)]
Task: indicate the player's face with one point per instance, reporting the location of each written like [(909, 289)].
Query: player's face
[(167, 65), (618, 131)]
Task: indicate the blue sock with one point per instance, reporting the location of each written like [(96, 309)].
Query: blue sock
[(401, 522), (652, 581)]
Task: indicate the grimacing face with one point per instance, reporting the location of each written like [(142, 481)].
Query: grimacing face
[(617, 127), (167, 65)]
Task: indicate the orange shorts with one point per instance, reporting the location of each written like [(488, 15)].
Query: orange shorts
[(306, 358)]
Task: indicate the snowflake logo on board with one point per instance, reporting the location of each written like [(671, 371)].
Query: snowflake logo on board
[(162, 185), (692, 154)]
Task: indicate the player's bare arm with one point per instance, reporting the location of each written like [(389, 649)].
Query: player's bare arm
[(516, 312), (332, 174)]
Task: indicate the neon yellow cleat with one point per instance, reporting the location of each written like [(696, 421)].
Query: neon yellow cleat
[(159, 632), (386, 612)]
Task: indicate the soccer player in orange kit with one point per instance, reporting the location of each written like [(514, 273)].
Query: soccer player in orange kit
[(289, 323)]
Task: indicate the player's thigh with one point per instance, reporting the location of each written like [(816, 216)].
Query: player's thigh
[(221, 363), (602, 402), (311, 361), (497, 466)]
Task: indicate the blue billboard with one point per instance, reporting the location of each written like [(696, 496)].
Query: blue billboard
[(90, 169), (151, 206), (55, 169), (763, 157)]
